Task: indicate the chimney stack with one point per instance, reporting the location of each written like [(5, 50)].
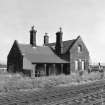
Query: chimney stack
[(46, 39), (33, 37), (59, 43)]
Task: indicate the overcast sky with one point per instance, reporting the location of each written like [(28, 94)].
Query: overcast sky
[(77, 17)]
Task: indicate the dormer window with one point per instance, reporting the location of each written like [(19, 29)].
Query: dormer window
[(79, 48)]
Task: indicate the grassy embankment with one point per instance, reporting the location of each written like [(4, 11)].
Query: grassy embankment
[(15, 82)]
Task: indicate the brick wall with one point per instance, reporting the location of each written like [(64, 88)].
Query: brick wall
[(14, 59), (83, 55)]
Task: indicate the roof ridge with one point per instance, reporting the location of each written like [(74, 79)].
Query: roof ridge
[(62, 41)]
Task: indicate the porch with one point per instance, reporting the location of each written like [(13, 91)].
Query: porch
[(47, 69)]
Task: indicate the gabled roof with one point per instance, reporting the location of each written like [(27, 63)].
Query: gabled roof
[(39, 54), (66, 44)]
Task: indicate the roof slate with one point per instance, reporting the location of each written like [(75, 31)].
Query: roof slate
[(45, 54), (40, 54), (66, 45)]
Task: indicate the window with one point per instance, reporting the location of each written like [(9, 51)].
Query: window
[(76, 65), (83, 65), (79, 48)]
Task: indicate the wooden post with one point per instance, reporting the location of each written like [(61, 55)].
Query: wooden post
[(61, 68), (49, 70), (54, 69), (33, 70), (45, 69)]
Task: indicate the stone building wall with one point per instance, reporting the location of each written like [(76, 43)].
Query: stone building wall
[(14, 59), (80, 55)]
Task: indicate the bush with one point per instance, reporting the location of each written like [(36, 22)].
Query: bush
[(91, 76)]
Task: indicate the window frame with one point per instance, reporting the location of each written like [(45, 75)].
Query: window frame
[(83, 65), (76, 65)]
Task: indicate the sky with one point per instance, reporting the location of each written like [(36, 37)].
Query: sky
[(76, 17)]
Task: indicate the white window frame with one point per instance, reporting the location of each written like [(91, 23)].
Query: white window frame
[(83, 65), (76, 65)]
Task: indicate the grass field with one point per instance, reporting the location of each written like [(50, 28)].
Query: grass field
[(13, 82), (69, 95), (18, 90)]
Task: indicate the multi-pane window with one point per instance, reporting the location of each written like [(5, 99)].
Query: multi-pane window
[(79, 65)]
